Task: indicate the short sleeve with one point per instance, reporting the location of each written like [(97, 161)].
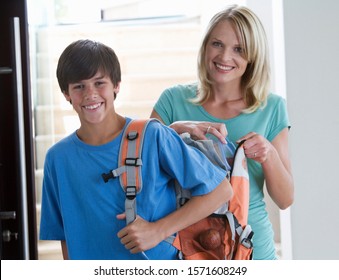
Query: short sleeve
[(279, 119), (164, 107)]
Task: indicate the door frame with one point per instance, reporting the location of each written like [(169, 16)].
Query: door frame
[(17, 187)]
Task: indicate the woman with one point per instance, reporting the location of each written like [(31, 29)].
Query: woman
[(233, 93)]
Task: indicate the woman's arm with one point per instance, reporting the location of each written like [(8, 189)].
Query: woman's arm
[(275, 162), (278, 174), (197, 129), (154, 114), (142, 235)]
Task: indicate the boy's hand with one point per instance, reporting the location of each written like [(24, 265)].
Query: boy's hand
[(138, 236)]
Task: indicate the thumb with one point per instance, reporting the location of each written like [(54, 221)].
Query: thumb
[(121, 216)]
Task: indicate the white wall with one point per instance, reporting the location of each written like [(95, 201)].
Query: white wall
[(270, 13), (312, 76)]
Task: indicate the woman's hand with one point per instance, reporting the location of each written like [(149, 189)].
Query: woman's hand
[(256, 147), (198, 130), (139, 235), (275, 162)]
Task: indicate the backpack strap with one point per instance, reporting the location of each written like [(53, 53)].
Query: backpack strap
[(130, 157), (129, 165), (239, 203)]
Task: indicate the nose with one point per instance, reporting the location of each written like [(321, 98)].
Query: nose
[(227, 54), (90, 92)]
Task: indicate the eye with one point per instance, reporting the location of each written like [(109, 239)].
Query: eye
[(99, 83), (238, 49), (217, 44), (78, 86)]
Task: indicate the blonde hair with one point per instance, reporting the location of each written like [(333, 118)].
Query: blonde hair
[(256, 79)]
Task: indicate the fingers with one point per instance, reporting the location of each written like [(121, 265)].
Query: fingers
[(131, 244), (217, 129), (246, 137), (137, 236), (199, 129), (256, 146), (128, 239)]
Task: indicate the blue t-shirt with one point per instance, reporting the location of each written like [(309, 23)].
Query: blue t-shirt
[(174, 105), (79, 207)]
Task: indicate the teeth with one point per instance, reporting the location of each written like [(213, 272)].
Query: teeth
[(222, 67), (92, 107)]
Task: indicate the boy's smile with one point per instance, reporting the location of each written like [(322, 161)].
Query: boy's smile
[(93, 107)]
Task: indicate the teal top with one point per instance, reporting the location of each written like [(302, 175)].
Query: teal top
[(174, 105)]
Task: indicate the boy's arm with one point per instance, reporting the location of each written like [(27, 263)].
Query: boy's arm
[(64, 250), (142, 235)]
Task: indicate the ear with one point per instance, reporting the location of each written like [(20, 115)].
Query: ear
[(117, 88), (67, 97)]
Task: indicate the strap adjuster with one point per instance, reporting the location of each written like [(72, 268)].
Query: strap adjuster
[(247, 241), (132, 162), (131, 192), (132, 135)]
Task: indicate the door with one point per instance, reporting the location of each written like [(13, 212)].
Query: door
[(17, 190)]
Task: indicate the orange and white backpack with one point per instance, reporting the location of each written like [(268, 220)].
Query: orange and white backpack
[(224, 234)]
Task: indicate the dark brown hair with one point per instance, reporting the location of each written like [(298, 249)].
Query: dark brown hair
[(82, 59)]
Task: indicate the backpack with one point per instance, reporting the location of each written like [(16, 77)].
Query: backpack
[(224, 234)]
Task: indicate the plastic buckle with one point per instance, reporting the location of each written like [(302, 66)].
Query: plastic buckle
[(131, 192), (247, 243), (107, 176)]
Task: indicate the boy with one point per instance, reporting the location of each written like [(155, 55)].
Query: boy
[(86, 213)]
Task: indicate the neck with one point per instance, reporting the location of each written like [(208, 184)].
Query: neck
[(96, 134), (227, 93), (226, 98), (233, 100)]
